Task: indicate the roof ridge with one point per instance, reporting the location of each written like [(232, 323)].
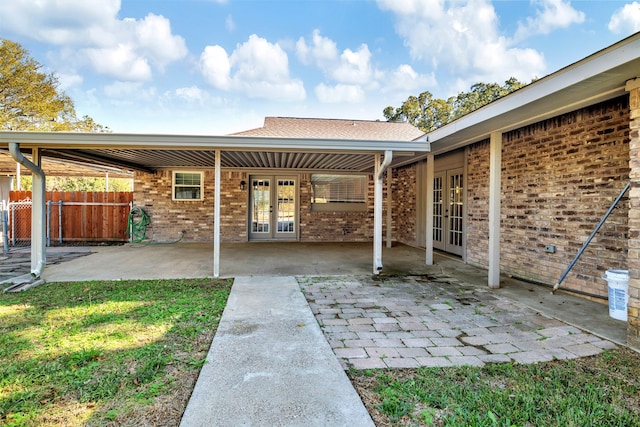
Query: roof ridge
[(328, 119)]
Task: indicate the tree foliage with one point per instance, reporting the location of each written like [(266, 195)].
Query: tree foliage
[(30, 98), (428, 113), (68, 183)]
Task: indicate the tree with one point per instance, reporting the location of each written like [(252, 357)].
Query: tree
[(428, 113), (68, 183), (30, 98)]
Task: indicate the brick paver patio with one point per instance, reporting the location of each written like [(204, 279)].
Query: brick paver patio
[(409, 322)]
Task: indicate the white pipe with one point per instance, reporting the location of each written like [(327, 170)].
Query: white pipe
[(388, 156), (216, 217), (380, 168), (38, 214)]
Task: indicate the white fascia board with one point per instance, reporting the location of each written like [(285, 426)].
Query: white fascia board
[(597, 64), (71, 140)]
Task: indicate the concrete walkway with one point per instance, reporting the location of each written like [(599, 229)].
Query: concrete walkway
[(270, 365)]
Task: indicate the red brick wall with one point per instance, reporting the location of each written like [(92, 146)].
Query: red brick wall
[(559, 177), (168, 218), (334, 226), (404, 209), (152, 192), (633, 329), (477, 224)]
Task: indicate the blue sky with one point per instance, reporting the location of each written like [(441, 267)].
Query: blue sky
[(220, 66)]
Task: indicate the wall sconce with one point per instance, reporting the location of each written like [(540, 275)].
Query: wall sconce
[(243, 185)]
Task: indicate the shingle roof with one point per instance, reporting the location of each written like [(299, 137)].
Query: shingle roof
[(292, 127)]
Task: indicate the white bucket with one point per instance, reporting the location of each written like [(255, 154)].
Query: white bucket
[(618, 282)]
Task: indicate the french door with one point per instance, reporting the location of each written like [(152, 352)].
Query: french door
[(273, 208), (448, 211)]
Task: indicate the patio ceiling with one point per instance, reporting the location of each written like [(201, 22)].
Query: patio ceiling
[(153, 152), (163, 159)]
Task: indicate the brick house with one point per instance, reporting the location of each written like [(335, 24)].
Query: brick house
[(498, 187), (261, 194)]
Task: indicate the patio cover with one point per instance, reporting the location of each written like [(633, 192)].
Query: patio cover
[(149, 152)]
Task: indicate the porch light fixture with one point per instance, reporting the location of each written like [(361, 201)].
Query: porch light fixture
[(243, 185)]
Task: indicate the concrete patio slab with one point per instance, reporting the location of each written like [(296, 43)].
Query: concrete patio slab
[(193, 260)]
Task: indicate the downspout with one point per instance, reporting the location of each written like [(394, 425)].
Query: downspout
[(380, 169), (38, 251)]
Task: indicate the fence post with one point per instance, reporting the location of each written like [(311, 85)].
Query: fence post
[(13, 224), (60, 221), (5, 218), (48, 223), (130, 223)]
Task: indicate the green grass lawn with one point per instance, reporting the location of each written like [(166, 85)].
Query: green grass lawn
[(105, 353), (596, 391)]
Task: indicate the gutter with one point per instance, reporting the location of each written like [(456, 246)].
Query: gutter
[(38, 254)]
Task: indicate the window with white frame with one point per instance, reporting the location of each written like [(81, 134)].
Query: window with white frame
[(338, 192), (187, 186)]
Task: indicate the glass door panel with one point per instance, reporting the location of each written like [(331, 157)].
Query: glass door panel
[(286, 207), (438, 212), (448, 211), (456, 205), (261, 206), (273, 209)]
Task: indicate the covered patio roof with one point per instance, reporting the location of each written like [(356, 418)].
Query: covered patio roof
[(149, 152)]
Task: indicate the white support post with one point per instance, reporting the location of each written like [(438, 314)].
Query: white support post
[(216, 217), (495, 173), (389, 207), (377, 217), (429, 210), (38, 216), (379, 169)]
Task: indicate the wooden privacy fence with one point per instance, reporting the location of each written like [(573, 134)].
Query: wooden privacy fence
[(74, 216)]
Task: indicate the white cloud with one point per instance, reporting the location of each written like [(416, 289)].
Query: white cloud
[(68, 81), (126, 49), (229, 23), (626, 20), (215, 67), (340, 93), (153, 39), (350, 76), (349, 67), (550, 15), (190, 94), (74, 22), (258, 68), (120, 62), (462, 37), (322, 52), (405, 79), (122, 89), (354, 67)]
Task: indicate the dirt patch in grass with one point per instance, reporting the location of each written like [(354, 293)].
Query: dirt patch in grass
[(601, 390)]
